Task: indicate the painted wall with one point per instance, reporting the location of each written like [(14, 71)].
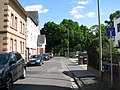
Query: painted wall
[(31, 36), (12, 27)]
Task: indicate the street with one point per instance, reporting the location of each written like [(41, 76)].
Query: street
[(49, 76)]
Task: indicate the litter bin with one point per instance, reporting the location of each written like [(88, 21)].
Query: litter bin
[(80, 60)]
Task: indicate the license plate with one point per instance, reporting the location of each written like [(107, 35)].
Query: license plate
[(32, 62)]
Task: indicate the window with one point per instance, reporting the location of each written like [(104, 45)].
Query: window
[(20, 46), (118, 27), (21, 27), (13, 58), (16, 23), (11, 44), (23, 47), (18, 56), (15, 45), (12, 20)]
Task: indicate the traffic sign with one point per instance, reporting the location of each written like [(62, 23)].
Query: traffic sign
[(110, 31)]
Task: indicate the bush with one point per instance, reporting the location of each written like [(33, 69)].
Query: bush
[(93, 51), (93, 54)]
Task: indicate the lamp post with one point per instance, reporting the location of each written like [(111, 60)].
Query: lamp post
[(68, 43), (100, 39)]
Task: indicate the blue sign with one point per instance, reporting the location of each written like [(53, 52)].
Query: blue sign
[(110, 31)]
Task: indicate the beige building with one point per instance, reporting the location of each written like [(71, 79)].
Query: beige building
[(12, 27)]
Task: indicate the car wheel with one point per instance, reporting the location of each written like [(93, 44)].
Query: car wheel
[(8, 83), (23, 74), (42, 61)]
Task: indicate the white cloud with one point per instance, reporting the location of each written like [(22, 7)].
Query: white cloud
[(72, 12), (78, 7), (76, 12), (83, 2), (45, 10), (78, 16), (90, 14), (38, 8)]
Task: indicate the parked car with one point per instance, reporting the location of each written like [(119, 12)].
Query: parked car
[(51, 55), (12, 67), (36, 60), (72, 55), (46, 56)]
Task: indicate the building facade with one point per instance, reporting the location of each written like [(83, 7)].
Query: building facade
[(32, 33), (41, 43), (12, 27), (117, 31)]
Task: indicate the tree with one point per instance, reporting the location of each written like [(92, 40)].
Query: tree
[(71, 28), (93, 51), (95, 30), (59, 35), (110, 22), (53, 36)]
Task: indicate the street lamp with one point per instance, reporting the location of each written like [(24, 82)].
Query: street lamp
[(68, 43), (100, 39)]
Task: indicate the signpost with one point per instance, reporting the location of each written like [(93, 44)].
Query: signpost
[(110, 32)]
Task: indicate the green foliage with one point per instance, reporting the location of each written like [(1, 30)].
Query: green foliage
[(94, 29), (54, 34), (59, 35), (93, 54), (93, 51), (110, 22)]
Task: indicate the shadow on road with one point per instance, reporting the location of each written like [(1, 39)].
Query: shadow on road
[(38, 87), (87, 82)]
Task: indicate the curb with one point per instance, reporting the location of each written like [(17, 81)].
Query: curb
[(73, 80)]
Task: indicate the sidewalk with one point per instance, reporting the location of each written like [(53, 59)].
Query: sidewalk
[(84, 79)]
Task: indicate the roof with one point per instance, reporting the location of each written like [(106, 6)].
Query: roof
[(34, 16), (19, 5), (41, 40)]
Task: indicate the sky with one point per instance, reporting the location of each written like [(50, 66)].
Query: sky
[(85, 12)]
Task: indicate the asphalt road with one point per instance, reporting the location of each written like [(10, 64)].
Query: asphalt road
[(49, 76)]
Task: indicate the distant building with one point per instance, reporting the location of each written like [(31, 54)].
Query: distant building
[(12, 27), (117, 31), (32, 33), (41, 43)]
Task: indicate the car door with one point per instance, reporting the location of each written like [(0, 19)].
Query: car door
[(13, 66), (20, 64)]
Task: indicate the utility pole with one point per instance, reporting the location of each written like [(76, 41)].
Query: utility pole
[(68, 43), (100, 39)]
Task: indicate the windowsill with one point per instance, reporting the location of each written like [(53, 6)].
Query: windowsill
[(13, 28), (22, 33)]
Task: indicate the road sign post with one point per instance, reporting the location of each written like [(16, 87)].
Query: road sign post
[(111, 57), (110, 32)]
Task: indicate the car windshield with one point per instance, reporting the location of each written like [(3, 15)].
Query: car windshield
[(35, 56), (3, 58), (45, 54)]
